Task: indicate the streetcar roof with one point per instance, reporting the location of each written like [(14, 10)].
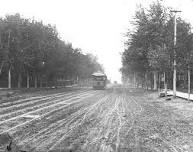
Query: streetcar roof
[(98, 74)]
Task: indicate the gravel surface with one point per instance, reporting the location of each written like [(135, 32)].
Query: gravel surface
[(113, 120)]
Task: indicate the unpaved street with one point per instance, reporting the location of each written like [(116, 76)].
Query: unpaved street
[(113, 120)]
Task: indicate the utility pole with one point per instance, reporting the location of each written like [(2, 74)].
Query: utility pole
[(174, 74), (9, 72)]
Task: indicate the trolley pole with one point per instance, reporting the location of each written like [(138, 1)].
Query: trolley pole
[(174, 74)]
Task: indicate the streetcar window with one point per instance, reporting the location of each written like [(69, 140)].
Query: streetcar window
[(99, 78)]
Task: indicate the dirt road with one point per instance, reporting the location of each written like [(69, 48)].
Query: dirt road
[(111, 120)]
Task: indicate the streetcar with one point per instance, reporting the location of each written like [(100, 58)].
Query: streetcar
[(99, 80)]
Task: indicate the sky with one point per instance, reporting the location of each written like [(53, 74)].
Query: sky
[(94, 26)]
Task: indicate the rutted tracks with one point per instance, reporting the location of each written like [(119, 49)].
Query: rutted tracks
[(39, 109), (101, 127), (89, 121)]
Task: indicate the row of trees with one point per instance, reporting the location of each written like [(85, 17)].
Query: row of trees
[(150, 47), (32, 53)]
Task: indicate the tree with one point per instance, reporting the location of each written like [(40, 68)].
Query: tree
[(149, 47), (33, 51)]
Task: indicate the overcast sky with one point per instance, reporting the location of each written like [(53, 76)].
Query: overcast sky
[(95, 26)]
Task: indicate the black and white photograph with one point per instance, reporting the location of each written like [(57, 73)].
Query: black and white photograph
[(96, 75)]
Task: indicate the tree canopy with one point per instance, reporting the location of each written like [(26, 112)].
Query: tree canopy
[(150, 46), (33, 50)]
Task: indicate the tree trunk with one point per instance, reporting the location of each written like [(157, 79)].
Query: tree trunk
[(134, 79), (164, 79), (40, 82), (189, 83), (165, 84), (159, 82), (1, 67), (19, 80), (36, 81), (77, 79), (28, 79), (146, 81), (154, 80), (9, 78)]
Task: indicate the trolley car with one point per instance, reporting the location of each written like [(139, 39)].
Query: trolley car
[(99, 80)]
